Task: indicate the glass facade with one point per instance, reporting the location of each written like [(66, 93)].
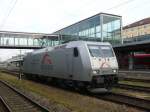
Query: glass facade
[(10, 39), (101, 27)]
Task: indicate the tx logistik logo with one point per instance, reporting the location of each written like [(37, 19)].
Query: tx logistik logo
[(46, 65), (46, 59), (104, 64)]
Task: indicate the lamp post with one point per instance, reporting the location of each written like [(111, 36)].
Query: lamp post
[(20, 71)]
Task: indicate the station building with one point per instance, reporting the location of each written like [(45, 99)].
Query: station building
[(139, 28), (100, 27)]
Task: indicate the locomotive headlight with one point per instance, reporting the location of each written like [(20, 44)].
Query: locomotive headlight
[(95, 71), (114, 71)]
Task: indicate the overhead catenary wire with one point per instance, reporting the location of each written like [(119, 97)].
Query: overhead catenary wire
[(119, 5), (146, 3), (8, 14)]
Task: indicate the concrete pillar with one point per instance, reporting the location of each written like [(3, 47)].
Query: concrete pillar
[(101, 25), (14, 41), (131, 61)]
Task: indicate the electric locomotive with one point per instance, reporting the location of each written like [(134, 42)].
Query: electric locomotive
[(83, 64)]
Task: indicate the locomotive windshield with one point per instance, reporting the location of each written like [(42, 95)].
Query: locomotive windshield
[(95, 51), (100, 51)]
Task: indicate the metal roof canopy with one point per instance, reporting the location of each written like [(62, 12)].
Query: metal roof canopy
[(135, 46)]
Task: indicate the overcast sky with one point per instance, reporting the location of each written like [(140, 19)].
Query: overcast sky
[(47, 16)]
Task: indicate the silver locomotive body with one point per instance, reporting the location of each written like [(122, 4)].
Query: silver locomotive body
[(87, 64)]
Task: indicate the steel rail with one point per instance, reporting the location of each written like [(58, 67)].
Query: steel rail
[(127, 100), (134, 87), (121, 99), (134, 79), (5, 107), (13, 96)]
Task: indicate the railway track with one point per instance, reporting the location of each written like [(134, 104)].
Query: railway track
[(127, 100), (137, 76), (10, 72), (18, 102), (122, 99), (134, 79), (134, 87), (146, 72), (3, 106)]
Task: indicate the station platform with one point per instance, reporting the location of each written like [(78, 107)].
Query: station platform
[(135, 71), (135, 74)]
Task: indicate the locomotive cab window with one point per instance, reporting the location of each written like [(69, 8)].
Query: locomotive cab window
[(94, 51), (75, 52), (107, 51), (100, 51)]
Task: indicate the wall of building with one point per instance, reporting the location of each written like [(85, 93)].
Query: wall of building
[(136, 31)]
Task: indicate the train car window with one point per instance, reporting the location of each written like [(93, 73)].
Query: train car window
[(75, 52)]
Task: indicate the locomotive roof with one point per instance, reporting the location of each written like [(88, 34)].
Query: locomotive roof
[(70, 44), (91, 42), (78, 43), (41, 50)]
